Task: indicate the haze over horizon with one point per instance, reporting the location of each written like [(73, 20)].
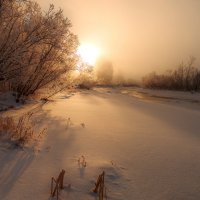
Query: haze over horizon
[(137, 36)]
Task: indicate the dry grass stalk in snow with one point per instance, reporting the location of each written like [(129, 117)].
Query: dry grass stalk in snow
[(82, 162), (100, 187), (58, 184), (23, 130)]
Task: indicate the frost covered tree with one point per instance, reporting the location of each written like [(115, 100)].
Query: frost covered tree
[(36, 48)]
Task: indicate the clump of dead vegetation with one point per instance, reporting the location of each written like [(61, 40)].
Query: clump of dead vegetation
[(19, 132)]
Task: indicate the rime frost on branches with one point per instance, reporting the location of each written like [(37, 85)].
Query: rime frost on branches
[(36, 47)]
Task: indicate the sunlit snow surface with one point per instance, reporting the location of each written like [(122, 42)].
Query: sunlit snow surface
[(148, 146)]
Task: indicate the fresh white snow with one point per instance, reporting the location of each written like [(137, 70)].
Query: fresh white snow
[(148, 148)]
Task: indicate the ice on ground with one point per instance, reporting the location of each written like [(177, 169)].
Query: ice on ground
[(167, 95)]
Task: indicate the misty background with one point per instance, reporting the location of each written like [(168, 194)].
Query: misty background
[(137, 36)]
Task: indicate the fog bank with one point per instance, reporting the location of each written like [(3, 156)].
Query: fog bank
[(137, 36)]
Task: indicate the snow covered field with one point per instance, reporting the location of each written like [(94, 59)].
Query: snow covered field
[(149, 147)]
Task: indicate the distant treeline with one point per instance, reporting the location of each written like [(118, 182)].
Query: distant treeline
[(37, 49), (185, 77)]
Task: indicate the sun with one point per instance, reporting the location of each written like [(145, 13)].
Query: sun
[(89, 53)]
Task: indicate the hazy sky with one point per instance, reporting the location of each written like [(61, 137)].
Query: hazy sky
[(138, 36)]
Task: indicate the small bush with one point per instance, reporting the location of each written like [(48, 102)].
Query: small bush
[(86, 85), (85, 81)]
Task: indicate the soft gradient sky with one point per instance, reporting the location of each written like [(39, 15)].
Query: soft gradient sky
[(138, 36)]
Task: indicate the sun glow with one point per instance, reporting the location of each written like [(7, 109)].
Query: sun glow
[(89, 53)]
